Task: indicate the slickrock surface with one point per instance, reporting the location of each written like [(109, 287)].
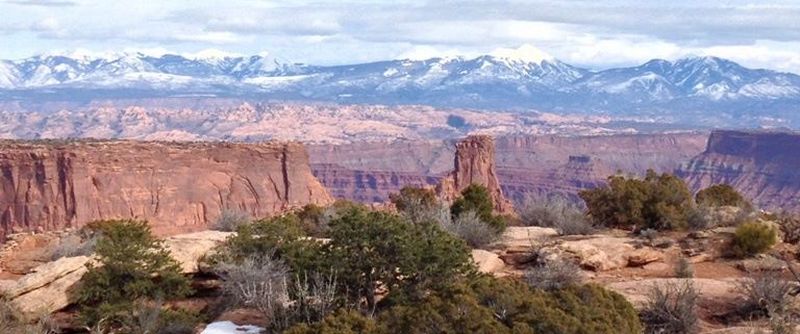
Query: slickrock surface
[(764, 166), (475, 164), (177, 187)]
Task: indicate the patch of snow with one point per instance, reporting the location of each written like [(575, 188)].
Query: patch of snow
[(390, 72), (227, 327), (271, 82)]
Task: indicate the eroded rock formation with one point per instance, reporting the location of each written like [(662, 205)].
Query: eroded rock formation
[(526, 165), (474, 164), (177, 187), (764, 166)]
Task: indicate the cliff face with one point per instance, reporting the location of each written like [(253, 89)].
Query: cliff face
[(525, 164), (475, 164), (764, 166), (177, 187)]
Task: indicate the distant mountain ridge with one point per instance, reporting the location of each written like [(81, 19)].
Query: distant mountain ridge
[(696, 89)]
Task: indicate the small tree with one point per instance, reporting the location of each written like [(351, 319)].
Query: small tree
[(476, 198), (371, 250), (753, 238), (133, 266), (721, 195), (657, 201)]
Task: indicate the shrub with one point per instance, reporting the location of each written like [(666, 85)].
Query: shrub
[(134, 267), (230, 220), (343, 322), (73, 245), (683, 269), (789, 225), (258, 282), (721, 195), (671, 309), (701, 218), (11, 322), (753, 238), (470, 228), (556, 212), (554, 275), (660, 202), (278, 237), (476, 198), (372, 249), (315, 219), (766, 292)]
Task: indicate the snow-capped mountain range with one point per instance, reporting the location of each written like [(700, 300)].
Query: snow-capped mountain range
[(513, 79)]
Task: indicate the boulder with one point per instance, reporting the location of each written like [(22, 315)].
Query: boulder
[(762, 262), (190, 248), (47, 289), (599, 253), (516, 238), (487, 261), (643, 256)]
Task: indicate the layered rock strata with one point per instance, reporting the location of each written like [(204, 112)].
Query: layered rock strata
[(177, 187)]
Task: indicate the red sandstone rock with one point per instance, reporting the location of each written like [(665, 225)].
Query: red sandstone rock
[(474, 164), (177, 187), (763, 166)]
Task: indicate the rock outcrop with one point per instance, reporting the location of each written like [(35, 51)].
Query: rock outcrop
[(526, 164), (177, 187), (48, 287), (761, 165), (475, 164)]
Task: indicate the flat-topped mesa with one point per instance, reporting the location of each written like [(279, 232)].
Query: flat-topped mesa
[(475, 164), (177, 187), (762, 165)]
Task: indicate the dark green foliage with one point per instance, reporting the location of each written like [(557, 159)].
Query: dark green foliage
[(133, 267), (476, 198), (369, 248), (314, 220), (660, 202), (491, 305), (721, 195), (278, 237), (343, 322), (753, 238)]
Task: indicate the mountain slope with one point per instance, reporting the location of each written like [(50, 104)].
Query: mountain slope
[(686, 90)]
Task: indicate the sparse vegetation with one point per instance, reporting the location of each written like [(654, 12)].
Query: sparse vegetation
[(671, 309), (229, 220), (11, 322), (554, 275), (790, 226), (476, 198), (74, 245), (721, 195), (134, 267), (683, 268), (767, 292), (259, 282), (556, 212), (661, 202), (753, 238), (469, 227)]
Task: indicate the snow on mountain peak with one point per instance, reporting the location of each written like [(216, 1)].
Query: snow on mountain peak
[(526, 53)]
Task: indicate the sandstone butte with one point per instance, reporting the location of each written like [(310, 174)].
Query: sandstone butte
[(177, 187), (475, 164), (762, 165)]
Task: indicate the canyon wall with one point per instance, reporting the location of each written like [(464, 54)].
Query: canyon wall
[(764, 166), (526, 165), (177, 187)]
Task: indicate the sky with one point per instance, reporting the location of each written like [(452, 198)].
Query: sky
[(593, 34)]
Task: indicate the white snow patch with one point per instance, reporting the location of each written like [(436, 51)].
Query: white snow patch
[(227, 327)]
